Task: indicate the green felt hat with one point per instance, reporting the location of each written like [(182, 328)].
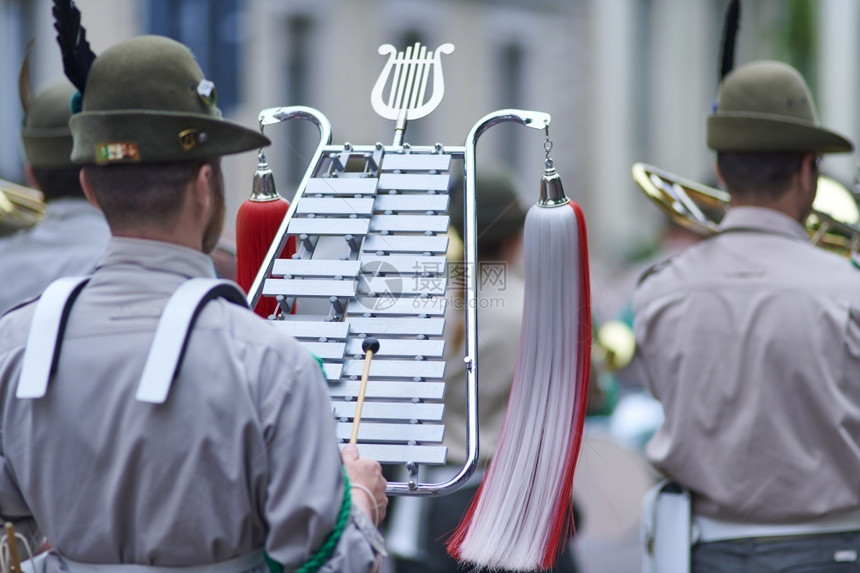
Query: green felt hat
[(766, 106), (45, 135), (146, 100), (499, 212)]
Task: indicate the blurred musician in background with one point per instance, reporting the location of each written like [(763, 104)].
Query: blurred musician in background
[(73, 234), (751, 341)]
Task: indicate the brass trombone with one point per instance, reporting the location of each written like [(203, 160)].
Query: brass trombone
[(20, 207), (834, 223)]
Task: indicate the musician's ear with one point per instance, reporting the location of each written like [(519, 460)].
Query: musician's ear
[(200, 185)]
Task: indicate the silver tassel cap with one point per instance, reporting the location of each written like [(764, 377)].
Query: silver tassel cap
[(264, 182), (551, 190)]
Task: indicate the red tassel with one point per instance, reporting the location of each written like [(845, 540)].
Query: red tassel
[(563, 521), (521, 516), (257, 224)]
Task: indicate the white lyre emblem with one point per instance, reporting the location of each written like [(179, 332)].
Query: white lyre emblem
[(409, 73)]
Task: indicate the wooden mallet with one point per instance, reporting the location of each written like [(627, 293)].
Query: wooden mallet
[(369, 346)]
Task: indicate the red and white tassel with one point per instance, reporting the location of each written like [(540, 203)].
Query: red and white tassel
[(521, 517), (257, 223)]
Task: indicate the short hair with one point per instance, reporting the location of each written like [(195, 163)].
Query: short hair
[(142, 193), (763, 174), (57, 183)]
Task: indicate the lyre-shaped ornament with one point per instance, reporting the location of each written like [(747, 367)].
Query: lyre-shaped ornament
[(406, 75)]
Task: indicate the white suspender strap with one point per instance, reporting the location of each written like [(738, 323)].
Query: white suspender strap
[(46, 335), (173, 331)]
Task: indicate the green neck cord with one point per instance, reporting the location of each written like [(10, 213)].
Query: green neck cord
[(325, 551)]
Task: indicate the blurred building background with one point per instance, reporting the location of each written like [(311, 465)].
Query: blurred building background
[(624, 81)]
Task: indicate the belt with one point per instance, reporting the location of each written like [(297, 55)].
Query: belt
[(238, 565), (707, 529)]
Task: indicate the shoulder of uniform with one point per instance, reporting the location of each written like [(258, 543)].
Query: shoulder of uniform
[(855, 261), (653, 270), (22, 304)]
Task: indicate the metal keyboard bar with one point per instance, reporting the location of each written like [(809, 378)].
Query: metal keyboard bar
[(309, 287), (416, 162), (410, 223), (412, 202), (400, 326), (332, 371), (411, 286), (326, 350), (397, 368), (313, 329), (335, 206), (392, 454), (390, 411), (413, 182), (324, 226), (341, 186), (405, 244), (393, 433), (389, 389), (399, 347), (403, 264), (406, 305), (310, 268)]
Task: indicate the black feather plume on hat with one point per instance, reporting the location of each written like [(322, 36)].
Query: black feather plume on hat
[(72, 37), (730, 33)]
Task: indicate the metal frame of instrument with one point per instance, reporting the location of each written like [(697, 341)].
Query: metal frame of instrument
[(388, 205)]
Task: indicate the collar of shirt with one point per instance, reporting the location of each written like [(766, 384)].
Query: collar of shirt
[(157, 256), (763, 220)]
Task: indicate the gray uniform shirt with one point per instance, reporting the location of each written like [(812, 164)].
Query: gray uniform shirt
[(241, 456), (69, 240), (751, 341)]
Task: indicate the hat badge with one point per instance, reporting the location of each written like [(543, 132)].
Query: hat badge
[(189, 138), (206, 91)]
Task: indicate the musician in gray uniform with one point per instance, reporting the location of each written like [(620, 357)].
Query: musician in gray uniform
[(73, 234), (751, 341), (239, 465)]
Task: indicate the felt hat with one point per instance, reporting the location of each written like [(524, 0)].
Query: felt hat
[(766, 106), (45, 135), (146, 100), (499, 212)]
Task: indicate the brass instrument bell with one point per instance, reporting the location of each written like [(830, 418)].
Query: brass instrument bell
[(20, 207), (834, 223)]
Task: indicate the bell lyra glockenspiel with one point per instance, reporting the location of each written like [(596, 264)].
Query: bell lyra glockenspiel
[(370, 226)]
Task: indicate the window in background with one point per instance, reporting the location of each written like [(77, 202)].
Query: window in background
[(642, 67), (510, 95), (301, 137), (14, 20), (212, 30)]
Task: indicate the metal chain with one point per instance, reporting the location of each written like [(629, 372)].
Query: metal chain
[(547, 145)]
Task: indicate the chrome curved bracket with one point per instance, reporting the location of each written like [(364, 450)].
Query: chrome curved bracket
[(272, 116)]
